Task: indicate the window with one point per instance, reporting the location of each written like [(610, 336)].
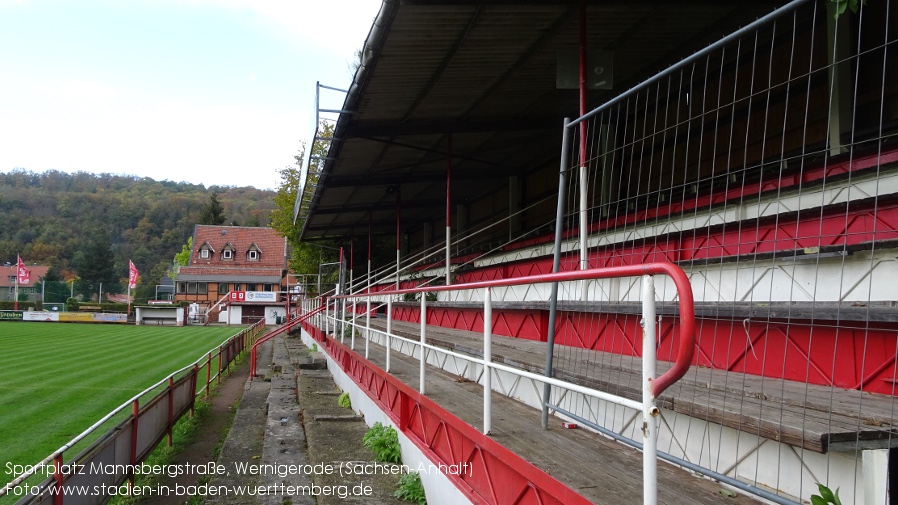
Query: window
[(222, 288), (204, 254), (12, 279), (267, 287), (181, 287), (250, 287), (197, 288), (227, 254), (252, 255)]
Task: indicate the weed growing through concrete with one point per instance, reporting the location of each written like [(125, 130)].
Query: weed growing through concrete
[(384, 443), (343, 400), (411, 489)]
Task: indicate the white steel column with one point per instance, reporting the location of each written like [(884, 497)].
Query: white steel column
[(649, 411), (389, 342), (421, 350), (367, 322), (487, 359)]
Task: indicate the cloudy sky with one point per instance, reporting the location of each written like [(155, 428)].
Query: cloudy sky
[(202, 91)]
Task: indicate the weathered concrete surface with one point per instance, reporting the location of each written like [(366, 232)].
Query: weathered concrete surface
[(334, 437), (290, 426), (245, 438)]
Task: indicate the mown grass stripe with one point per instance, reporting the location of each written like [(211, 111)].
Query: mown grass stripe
[(58, 379)]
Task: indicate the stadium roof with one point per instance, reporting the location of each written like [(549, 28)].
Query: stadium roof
[(481, 76)]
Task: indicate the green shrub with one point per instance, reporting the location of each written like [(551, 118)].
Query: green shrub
[(411, 489), (384, 443), (343, 400)]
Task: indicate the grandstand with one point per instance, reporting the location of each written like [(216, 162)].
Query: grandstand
[(751, 144)]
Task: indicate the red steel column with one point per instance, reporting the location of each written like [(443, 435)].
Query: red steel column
[(398, 230)]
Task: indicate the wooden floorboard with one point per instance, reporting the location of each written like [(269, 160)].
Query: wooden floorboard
[(816, 418), (602, 470)]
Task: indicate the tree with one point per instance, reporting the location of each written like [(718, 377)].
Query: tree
[(213, 211), (55, 288), (146, 290), (182, 259), (304, 257), (96, 264)]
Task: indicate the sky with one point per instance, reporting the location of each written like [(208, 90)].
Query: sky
[(213, 92)]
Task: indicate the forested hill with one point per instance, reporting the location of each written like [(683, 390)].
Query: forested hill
[(53, 217)]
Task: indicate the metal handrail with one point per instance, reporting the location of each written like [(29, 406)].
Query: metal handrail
[(681, 281), (270, 335), (652, 387)]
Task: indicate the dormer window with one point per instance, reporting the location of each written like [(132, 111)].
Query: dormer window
[(253, 253), (227, 252), (206, 251)]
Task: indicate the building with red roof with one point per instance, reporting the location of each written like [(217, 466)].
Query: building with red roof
[(31, 289), (238, 267)]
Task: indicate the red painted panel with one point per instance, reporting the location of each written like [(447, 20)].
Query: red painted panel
[(850, 355)]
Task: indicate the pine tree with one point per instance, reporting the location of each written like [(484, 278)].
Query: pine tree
[(213, 212)]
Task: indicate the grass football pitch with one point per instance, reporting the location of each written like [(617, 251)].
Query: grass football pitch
[(57, 379)]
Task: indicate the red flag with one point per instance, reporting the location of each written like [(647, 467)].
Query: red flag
[(132, 275), (24, 275)]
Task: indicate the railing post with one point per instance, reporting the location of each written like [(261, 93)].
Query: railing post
[(343, 321), (355, 302), (327, 312), (487, 358), (135, 421), (389, 342), (208, 372), (58, 479), (367, 323), (423, 353), (218, 375), (171, 408), (649, 411), (196, 377)]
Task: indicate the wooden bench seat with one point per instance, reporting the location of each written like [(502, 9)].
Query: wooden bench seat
[(816, 418), (808, 311)]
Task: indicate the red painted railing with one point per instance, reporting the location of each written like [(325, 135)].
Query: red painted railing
[(293, 322), (686, 348), (421, 419)]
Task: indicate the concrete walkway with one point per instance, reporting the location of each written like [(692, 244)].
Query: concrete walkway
[(291, 443)]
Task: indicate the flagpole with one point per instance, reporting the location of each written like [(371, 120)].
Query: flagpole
[(16, 295)]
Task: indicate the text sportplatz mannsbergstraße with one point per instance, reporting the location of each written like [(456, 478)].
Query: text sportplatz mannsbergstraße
[(343, 469)]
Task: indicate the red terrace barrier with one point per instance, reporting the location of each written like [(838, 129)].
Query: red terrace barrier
[(848, 164), (497, 475), (130, 441), (866, 223)]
